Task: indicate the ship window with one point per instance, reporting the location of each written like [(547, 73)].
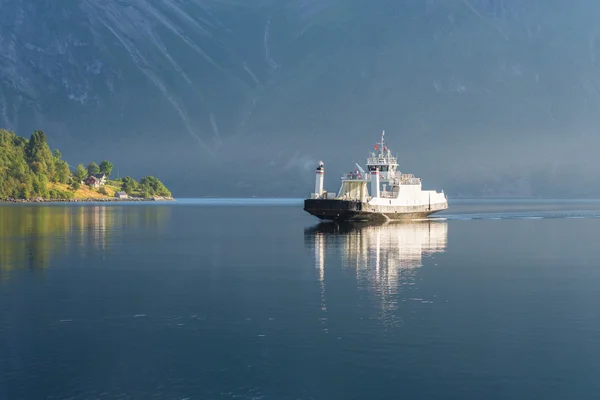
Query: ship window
[(382, 168)]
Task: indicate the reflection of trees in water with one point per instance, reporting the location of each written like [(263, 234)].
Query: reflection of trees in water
[(382, 256), (31, 235)]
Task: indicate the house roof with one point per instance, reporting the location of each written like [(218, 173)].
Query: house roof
[(99, 176), (121, 193)]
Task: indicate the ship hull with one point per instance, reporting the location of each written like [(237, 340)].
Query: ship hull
[(345, 210)]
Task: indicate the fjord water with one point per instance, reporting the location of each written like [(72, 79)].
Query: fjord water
[(255, 299)]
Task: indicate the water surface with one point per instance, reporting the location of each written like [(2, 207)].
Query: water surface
[(249, 299)]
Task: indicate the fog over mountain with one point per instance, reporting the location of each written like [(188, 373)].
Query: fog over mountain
[(242, 97)]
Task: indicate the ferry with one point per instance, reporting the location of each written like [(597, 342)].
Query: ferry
[(392, 195)]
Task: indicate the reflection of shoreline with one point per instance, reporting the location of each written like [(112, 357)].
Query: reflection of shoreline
[(30, 236), (382, 255)]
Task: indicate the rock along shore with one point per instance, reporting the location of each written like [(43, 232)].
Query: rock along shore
[(89, 200)]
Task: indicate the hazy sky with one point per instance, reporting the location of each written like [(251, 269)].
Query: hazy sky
[(243, 97)]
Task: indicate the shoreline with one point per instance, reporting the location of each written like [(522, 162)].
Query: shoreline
[(87, 200)]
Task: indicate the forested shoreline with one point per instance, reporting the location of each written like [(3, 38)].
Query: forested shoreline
[(31, 171)]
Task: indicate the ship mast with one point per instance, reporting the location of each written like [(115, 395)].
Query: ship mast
[(383, 160)]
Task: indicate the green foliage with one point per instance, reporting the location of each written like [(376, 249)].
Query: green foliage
[(62, 173), (75, 185), (103, 191), (80, 173), (106, 167), (114, 182), (28, 166), (60, 195), (40, 185), (16, 175), (39, 155), (151, 186), (148, 186), (129, 185), (93, 168)]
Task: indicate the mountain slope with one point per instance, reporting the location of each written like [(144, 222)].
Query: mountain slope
[(242, 97)]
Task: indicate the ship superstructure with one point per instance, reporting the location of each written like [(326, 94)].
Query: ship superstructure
[(381, 192)]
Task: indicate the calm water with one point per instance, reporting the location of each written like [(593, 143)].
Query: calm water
[(256, 300)]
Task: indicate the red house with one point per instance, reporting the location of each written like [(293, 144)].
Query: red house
[(95, 180)]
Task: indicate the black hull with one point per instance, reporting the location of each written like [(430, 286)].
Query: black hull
[(348, 210)]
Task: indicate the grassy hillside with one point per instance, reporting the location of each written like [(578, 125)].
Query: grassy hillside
[(85, 192)]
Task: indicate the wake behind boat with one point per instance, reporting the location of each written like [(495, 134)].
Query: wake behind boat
[(393, 195)]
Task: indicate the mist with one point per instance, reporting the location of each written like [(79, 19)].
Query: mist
[(242, 98)]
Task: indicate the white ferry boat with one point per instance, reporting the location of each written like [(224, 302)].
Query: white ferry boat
[(393, 195)]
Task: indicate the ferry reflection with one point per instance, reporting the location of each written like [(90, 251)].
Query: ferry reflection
[(381, 252)]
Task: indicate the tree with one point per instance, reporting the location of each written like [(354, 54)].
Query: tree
[(38, 153), (35, 145), (75, 185), (106, 167), (93, 168), (61, 171), (61, 168), (40, 185), (129, 185), (151, 186), (80, 173)]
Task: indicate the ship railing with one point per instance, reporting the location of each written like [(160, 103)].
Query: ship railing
[(323, 196), (353, 177), (411, 181)]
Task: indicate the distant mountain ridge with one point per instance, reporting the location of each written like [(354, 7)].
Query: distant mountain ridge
[(243, 97)]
